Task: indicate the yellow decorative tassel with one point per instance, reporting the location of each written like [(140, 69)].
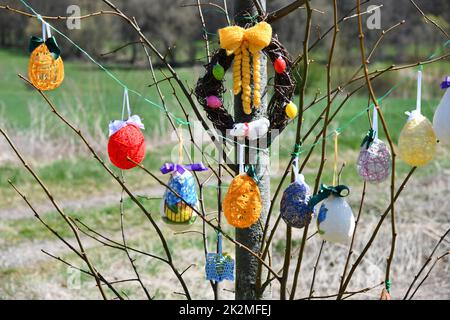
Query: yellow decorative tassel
[(237, 83), (241, 42), (256, 80)]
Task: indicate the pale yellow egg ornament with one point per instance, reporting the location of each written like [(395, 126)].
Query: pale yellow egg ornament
[(417, 142)]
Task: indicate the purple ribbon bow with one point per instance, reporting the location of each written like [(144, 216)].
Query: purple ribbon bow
[(446, 83), (174, 167)]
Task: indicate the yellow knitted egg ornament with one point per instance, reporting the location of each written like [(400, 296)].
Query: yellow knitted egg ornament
[(417, 142), (44, 71), (242, 203)]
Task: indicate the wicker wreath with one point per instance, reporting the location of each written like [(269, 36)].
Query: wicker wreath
[(211, 85)]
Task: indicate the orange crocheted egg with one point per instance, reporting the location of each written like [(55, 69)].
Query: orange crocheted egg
[(242, 203), (44, 71)]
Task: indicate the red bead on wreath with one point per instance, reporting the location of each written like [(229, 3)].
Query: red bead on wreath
[(127, 141)]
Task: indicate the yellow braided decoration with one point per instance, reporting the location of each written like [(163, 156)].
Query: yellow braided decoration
[(237, 83), (246, 89), (241, 42), (256, 80)]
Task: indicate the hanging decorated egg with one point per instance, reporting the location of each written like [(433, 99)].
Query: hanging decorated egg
[(213, 102), (242, 203), (335, 220), (374, 160), (126, 141), (219, 266), (441, 119), (291, 110), (218, 72), (46, 67), (279, 65), (417, 142), (294, 207), (180, 198)]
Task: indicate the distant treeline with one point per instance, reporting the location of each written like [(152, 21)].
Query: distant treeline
[(174, 26)]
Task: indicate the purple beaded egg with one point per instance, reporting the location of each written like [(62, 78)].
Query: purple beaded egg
[(374, 163), (294, 204)]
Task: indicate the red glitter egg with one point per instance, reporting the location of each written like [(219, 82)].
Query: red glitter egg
[(126, 142), (279, 65)]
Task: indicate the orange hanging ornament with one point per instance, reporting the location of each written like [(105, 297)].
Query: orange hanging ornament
[(46, 67), (242, 203)]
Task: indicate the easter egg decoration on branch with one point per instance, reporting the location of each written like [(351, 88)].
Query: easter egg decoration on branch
[(441, 119), (242, 202), (335, 220), (45, 67), (126, 140), (180, 198), (374, 160), (417, 142), (294, 208), (219, 266)]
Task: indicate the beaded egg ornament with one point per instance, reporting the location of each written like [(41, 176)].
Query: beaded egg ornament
[(45, 67), (417, 142), (126, 140), (242, 202), (181, 196), (374, 160), (241, 49), (441, 119), (219, 266), (294, 207)]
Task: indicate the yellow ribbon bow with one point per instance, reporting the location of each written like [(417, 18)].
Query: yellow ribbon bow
[(239, 41)]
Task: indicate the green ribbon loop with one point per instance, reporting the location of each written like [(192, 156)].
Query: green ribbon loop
[(369, 138), (388, 285), (297, 151), (51, 44), (326, 191), (251, 171)]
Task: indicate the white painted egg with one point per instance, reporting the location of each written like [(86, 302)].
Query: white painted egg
[(441, 119), (335, 220)]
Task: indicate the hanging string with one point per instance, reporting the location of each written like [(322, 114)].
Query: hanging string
[(336, 134), (419, 92), (375, 121), (241, 158), (219, 243), (180, 145), (295, 169), (126, 104)]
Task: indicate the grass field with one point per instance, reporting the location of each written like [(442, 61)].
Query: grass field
[(90, 99)]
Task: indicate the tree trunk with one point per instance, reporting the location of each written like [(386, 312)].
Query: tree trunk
[(246, 264)]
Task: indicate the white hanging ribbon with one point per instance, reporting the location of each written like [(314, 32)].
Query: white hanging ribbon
[(46, 32), (418, 110), (419, 92), (126, 103), (241, 158), (298, 177), (116, 125), (375, 121)]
